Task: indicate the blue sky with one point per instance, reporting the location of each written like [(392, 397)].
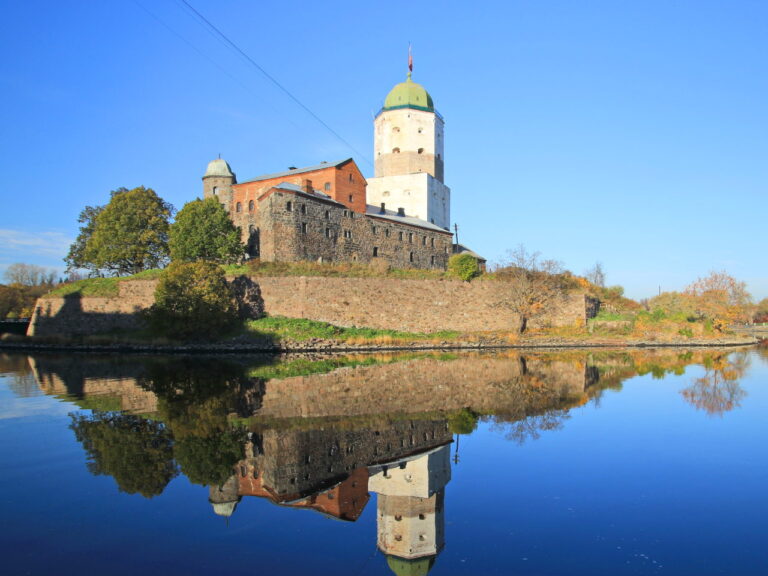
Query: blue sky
[(630, 133)]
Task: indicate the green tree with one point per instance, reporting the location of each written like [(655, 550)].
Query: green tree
[(192, 299), (136, 452), (209, 460), (128, 235), (204, 231), (464, 266)]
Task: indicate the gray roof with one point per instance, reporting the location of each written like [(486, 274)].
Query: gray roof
[(299, 170), (299, 190), (461, 249), (375, 212)]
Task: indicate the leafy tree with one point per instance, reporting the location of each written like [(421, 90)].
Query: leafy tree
[(127, 236), (204, 231), (718, 391), (136, 452), (761, 311), (464, 266), (192, 299), (27, 283), (208, 460), (533, 284), (720, 296), (76, 257)]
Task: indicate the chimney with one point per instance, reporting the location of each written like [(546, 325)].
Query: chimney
[(308, 187), (401, 211), (383, 210)]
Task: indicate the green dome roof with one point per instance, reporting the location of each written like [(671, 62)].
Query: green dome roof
[(417, 567), (408, 94)]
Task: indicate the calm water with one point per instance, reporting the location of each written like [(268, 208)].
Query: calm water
[(647, 462)]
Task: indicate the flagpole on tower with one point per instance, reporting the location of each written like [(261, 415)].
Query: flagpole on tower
[(410, 60)]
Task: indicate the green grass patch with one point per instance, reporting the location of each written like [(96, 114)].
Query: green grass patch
[(339, 270), (300, 329), (105, 287)]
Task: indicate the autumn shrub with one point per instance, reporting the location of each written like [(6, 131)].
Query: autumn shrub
[(463, 266), (192, 300)]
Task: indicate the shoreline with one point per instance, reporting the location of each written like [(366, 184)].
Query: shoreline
[(336, 347)]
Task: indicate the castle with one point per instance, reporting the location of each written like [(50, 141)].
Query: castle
[(331, 213)]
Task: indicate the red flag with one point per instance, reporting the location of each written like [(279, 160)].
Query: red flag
[(410, 59)]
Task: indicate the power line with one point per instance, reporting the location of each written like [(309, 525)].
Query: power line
[(274, 81), (209, 58)]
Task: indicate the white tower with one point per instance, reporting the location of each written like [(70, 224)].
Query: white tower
[(408, 156), (410, 521)]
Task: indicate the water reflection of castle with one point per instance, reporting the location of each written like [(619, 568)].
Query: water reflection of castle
[(327, 440), (406, 463)]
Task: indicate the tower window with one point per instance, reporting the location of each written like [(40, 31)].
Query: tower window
[(432, 260), (374, 229), (303, 208), (410, 256), (386, 232), (420, 150), (400, 236), (327, 214), (351, 178), (327, 232), (375, 251), (410, 237), (424, 241), (288, 207), (238, 207), (395, 150), (303, 227), (215, 190), (350, 198), (432, 240), (251, 206), (327, 186)]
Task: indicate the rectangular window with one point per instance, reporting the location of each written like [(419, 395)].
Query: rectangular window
[(410, 256), (327, 186), (374, 229), (400, 236), (303, 227), (288, 207), (375, 251), (386, 232), (327, 214), (432, 242), (350, 198), (303, 208), (410, 237), (424, 241), (327, 232)]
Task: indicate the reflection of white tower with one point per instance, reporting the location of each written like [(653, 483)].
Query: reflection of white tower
[(408, 156), (410, 507)]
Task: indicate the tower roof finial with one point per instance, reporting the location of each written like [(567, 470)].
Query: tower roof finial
[(410, 61)]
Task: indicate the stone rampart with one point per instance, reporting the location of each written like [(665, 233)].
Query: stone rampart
[(383, 303)]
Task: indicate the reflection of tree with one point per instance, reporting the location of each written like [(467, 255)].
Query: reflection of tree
[(208, 460), (718, 391), (136, 452), (195, 399), (531, 427)]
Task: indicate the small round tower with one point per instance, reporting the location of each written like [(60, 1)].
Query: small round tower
[(218, 181)]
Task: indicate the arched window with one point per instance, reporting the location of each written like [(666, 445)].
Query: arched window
[(395, 150), (251, 206), (215, 190), (238, 207)]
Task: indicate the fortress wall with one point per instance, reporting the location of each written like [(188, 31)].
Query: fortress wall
[(409, 305), (384, 303), (483, 384)]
